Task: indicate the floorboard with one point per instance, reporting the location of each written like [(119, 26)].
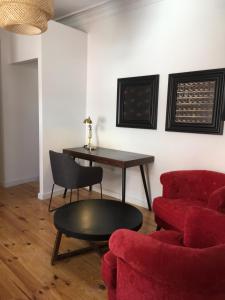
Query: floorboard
[(27, 235)]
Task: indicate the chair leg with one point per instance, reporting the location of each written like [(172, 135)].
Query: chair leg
[(101, 189), (50, 201), (71, 193), (158, 228), (77, 194), (64, 195)]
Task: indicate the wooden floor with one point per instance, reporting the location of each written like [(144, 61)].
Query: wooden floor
[(26, 239)]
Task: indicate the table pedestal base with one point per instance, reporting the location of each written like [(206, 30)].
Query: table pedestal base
[(99, 248)]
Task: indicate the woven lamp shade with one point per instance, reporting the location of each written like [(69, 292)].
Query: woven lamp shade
[(26, 16)]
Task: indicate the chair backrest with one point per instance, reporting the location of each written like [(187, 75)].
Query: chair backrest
[(197, 184), (63, 169)]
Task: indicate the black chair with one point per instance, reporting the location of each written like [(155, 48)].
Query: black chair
[(70, 175)]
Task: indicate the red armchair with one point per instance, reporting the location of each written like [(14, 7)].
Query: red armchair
[(166, 266), (184, 189)]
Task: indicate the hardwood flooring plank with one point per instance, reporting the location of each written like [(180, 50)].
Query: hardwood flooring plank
[(27, 236)]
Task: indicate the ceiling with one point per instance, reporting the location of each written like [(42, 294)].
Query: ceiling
[(65, 7)]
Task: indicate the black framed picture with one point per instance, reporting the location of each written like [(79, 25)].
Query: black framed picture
[(196, 102), (137, 102)]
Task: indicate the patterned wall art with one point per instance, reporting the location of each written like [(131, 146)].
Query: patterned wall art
[(196, 102), (137, 102)]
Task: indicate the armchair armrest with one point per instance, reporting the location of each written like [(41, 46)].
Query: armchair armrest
[(217, 200), (88, 176), (109, 269), (204, 228), (187, 268)]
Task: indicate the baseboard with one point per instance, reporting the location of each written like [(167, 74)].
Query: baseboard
[(10, 183), (45, 196), (132, 200)]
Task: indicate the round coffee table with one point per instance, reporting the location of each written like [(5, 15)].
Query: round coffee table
[(93, 221)]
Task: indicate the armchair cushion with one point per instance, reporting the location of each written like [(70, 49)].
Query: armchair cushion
[(204, 228)]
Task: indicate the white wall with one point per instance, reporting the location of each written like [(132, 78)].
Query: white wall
[(19, 119), (62, 84), (24, 47), (57, 84), (165, 37)]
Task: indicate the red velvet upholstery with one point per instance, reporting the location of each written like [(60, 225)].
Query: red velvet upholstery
[(217, 200), (200, 234), (160, 267), (184, 189)]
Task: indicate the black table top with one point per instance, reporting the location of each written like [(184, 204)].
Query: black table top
[(96, 220)]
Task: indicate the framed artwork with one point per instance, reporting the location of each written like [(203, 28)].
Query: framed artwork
[(196, 102), (137, 102)]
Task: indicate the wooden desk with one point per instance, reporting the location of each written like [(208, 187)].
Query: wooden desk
[(116, 158)]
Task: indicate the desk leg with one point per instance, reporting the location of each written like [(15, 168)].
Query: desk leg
[(123, 184), (90, 165), (145, 187)]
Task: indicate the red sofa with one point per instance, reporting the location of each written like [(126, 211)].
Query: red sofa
[(184, 189), (167, 265)]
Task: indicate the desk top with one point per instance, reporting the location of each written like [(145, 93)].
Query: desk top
[(111, 157)]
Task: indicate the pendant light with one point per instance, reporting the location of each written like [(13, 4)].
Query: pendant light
[(28, 17)]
